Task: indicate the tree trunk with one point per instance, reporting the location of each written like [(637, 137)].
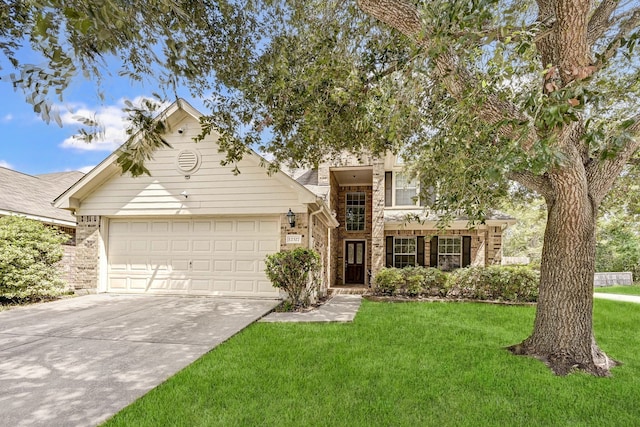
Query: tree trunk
[(563, 336)]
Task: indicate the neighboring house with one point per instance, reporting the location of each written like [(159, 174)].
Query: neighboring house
[(32, 196), (193, 227)]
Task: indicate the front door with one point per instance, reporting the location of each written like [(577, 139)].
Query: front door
[(354, 255)]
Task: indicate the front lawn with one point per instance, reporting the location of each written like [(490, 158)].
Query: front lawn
[(402, 364), (621, 290)]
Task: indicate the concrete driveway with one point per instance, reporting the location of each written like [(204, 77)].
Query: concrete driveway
[(78, 361)]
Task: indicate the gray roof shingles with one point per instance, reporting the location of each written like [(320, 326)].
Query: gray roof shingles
[(32, 195)]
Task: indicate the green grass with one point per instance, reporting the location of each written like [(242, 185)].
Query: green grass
[(403, 364), (621, 290)]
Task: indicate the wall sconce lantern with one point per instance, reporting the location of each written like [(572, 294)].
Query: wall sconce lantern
[(292, 218)]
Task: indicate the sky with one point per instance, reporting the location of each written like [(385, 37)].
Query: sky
[(31, 146)]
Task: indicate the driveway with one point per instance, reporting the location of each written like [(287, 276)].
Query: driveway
[(75, 362)]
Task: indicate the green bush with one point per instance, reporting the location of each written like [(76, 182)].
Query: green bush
[(28, 254), (296, 272), (410, 281), (388, 281), (517, 284)]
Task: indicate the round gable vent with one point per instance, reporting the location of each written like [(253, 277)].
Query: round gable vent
[(188, 161)]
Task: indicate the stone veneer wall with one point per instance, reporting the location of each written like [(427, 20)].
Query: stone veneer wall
[(377, 220), (334, 189), (321, 245), (494, 246), (87, 254), (66, 266)]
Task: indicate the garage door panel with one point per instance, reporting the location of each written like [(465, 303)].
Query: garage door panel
[(246, 246), (139, 227), (201, 266), (268, 246), (160, 226), (246, 266), (202, 245), (246, 226), (223, 246), (244, 286), (271, 227), (202, 226), (159, 245), (138, 283), (202, 256), (180, 226), (179, 265), (179, 246), (223, 226)]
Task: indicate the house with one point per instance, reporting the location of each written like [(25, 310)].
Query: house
[(32, 196), (193, 227)]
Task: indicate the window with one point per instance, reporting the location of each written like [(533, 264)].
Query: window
[(404, 252), (406, 191), (449, 253), (355, 211)]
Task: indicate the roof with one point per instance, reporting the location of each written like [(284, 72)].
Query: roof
[(32, 195), (420, 216)]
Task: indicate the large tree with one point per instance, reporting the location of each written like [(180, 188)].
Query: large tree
[(473, 93)]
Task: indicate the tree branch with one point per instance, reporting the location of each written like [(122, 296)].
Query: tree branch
[(625, 28), (602, 174), (538, 183), (403, 16), (600, 20)]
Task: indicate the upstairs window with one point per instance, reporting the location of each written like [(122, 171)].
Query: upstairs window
[(355, 211), (406, 190)]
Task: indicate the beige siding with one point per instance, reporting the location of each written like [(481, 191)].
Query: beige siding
[(212, 189)]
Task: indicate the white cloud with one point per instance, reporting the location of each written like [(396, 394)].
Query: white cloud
[(110, 117), (7, 118), (86, 169), (4, 164)]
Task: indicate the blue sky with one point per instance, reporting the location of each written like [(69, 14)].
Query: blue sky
[(31, 146)]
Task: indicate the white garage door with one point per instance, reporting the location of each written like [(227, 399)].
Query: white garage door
[(209, 256)]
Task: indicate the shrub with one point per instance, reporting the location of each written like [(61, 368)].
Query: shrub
[(410, 281), (517, 284), (387, 281), (28, 254), (296, 273)]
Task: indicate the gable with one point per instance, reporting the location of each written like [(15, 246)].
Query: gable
[(187, 178)]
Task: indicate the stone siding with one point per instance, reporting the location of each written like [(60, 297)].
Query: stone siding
[(87, 254), (66, 266)]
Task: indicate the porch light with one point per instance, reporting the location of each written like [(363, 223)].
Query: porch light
[(292, 218)]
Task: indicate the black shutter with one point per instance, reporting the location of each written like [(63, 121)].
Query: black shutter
[(433, 252), (388, 188), (466, 251), (420, 252), (389, 251)]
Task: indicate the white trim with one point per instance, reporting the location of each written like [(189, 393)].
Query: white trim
[(460, 238)]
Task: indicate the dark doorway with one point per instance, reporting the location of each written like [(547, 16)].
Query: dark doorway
[(354, 257)]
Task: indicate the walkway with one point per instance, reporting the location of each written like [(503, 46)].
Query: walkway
[(340, 308)]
